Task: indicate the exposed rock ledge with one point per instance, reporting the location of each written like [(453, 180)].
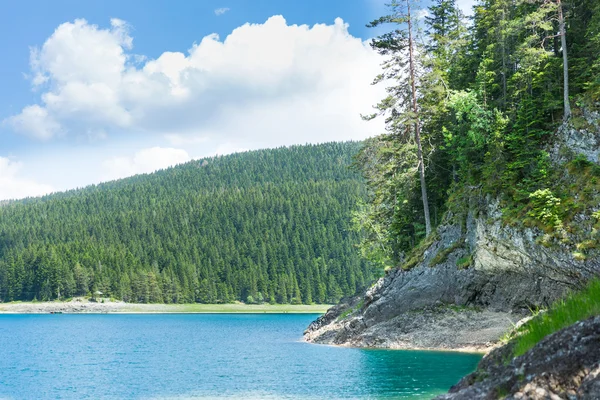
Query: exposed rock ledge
[(565, 365), (440, 328), (443, 306)]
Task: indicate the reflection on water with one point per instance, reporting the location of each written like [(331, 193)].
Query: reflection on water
[(255, 356)]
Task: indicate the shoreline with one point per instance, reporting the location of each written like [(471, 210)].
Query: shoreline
[(432, 329), (84, 306), (481, 350)]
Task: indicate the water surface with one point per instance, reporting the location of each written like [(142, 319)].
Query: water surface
[(181, 356)]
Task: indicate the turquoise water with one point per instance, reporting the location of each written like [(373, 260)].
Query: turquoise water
[(181, 356)]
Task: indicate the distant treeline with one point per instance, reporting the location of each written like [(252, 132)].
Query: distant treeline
[(268, 225)]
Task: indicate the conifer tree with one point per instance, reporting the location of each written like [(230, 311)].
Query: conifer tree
[(401, 107)]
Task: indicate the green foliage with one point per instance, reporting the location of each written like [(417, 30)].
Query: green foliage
[(546, 208), (269, 224), (442, 255), (472, 137), (464, 262), (490, 100), (581, 164), (416, 254), (387, 222), (345, 314), (351, 310), (575, 307)]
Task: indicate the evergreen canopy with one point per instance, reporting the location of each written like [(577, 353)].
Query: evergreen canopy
[(267, 225)]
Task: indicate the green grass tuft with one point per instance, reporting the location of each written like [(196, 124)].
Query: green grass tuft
[(464, 262), (442, 255), (416, 254), (351, 310), (575, 307)]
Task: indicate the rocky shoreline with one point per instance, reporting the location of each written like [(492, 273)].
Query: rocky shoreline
[(436, 328), (564, 365), (440, 303)]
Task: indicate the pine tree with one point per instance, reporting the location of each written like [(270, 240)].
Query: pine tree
[(401, 119)]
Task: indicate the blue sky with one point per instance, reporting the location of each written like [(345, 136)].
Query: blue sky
[(98, 90)]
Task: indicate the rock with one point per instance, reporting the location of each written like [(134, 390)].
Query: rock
[(580, 140), (435, 328), (509, 274), (564, 365)]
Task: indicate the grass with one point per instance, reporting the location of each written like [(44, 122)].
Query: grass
[(415, 256), (345, 314), (575, 307), (442, 255), (464, 262), (351, 310)]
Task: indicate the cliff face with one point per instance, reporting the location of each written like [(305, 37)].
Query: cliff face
[(471, 285)]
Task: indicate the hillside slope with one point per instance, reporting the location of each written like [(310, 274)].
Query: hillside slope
[(268, 225)]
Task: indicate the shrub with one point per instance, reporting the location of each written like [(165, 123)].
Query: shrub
[(545, 207)]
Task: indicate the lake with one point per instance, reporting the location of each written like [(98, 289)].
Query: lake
[(182, 356)]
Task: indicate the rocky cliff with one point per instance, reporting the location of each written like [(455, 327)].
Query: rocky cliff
[(469, 287), (478, 275)]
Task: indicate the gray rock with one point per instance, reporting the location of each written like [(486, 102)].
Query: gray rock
[(564, 365), (580, 141), (509, 274)]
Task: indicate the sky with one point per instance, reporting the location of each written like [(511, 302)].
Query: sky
[(103, 89)]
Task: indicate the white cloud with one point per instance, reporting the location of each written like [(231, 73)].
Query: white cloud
[(221, 11), (466, 6), (229, 148), (35, 121), (177, 140), (265, 85), (14, 186), (143, 161), (422, 13)]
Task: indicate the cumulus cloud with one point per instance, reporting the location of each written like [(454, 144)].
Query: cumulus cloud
[(143, 161), (14, 186), (264, 85), (221, 11)]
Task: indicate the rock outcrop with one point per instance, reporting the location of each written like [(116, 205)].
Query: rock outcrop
[(583, 139), (469, 287), (564, 365)]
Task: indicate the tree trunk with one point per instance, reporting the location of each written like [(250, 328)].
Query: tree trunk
[(417, 124), (563, 40), (504, 69)]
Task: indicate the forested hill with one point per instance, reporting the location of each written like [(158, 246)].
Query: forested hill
[(267, 225)]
